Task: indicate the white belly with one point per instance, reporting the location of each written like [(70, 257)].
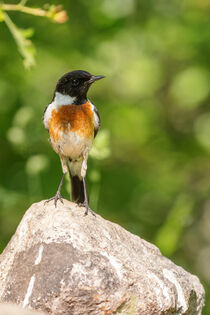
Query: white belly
[(71, 145)]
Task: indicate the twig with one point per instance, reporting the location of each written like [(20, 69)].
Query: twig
[(22, 43), (25, 46), (22, 8), (54, 13)]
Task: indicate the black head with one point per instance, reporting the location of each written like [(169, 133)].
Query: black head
[(76, 84)]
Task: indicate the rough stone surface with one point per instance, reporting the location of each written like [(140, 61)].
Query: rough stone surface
[(62, 262), (10, 309)]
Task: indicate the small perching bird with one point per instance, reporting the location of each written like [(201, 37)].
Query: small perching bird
[(73, 122)]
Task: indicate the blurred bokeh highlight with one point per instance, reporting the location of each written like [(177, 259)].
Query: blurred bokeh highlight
[(149, 170)]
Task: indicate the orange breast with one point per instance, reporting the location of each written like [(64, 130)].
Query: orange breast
[(75, 118)]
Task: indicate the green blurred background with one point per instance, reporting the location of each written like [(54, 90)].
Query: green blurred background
[(150, 168)]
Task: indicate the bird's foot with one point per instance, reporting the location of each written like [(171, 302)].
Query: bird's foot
[(88, 209), (55, 198)]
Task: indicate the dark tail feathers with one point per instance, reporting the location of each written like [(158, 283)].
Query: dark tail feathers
[(77, 189)]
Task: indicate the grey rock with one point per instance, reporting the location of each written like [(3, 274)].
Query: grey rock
[(62, 262), (10, 309)]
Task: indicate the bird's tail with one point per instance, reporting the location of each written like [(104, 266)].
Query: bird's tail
[(77, 184), (77, 189)]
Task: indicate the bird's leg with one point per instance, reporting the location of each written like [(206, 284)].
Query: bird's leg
[(86, 203), (58, 193), (83, 174)]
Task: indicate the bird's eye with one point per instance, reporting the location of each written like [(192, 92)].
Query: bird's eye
[(75, 82)]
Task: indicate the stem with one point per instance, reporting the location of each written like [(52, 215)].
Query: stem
[(21, 42), (21, 8), (11, 27)]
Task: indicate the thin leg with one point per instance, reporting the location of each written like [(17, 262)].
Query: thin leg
[(58, 193), (83, 174), (68, 167), (86, 204)]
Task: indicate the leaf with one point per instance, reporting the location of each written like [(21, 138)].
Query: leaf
[(27, 32), (26, 49), (28, 52)]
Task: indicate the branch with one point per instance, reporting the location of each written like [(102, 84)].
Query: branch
[(55, 12), (21, 8), (25, 46)]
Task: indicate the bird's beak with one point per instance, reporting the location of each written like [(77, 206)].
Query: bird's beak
[(95, 78)]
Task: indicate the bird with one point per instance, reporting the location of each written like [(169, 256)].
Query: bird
[(73, 122)]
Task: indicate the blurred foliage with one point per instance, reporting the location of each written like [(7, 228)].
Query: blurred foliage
[(150, 167), (25, 46)]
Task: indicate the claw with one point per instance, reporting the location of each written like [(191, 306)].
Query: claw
[(55, 198), (88, 209)]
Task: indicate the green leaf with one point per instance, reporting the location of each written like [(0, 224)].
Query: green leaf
[(27, 32)]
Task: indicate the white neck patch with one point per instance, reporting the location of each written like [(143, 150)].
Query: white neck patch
[(62, 99), (59, 100)]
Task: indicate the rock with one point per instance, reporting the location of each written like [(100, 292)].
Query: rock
[(10, 309), (62, 262)]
